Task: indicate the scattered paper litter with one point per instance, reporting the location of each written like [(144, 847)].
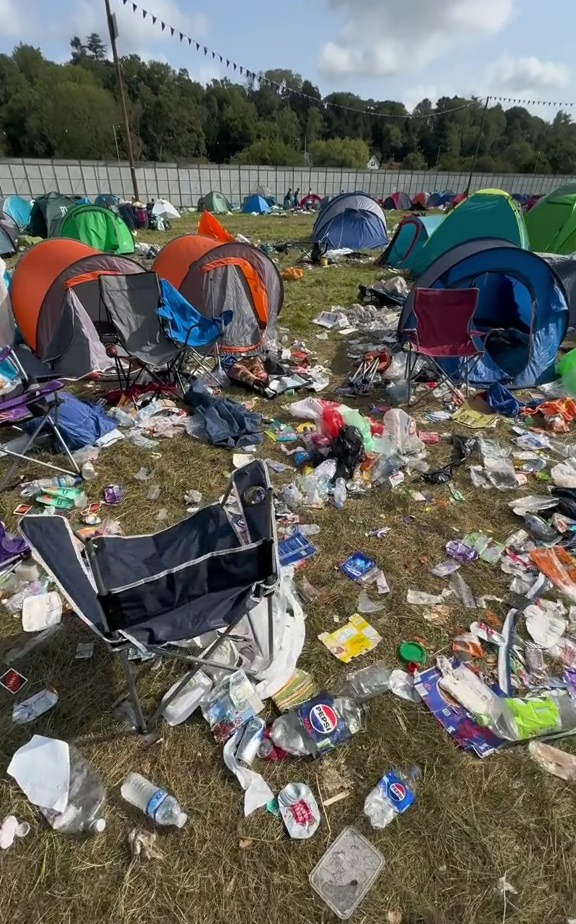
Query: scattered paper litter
[(10, 829), (421, 598), (42, 770)]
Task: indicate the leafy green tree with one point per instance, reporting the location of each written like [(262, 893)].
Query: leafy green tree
[(340, 152), (270, 152), (414, 161)]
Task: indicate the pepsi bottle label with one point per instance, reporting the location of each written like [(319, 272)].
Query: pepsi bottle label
[(394, 789), (323, 723)]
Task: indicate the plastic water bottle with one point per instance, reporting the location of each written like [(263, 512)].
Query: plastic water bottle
[(155, 802), (86, 795), (367, 682), (339, 494), (393, 796)]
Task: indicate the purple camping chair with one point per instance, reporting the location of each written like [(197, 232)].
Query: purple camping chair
[(444, 330), (31, 401)]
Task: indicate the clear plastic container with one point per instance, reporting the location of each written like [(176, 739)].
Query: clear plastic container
[(346, 872), (86, 795), (187, 700)]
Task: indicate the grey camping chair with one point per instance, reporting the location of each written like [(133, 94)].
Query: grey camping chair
[(206, 573), (131, 304)]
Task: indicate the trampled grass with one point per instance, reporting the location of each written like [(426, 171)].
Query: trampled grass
[(474, 821)]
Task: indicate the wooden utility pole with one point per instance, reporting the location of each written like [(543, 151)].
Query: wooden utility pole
[(113, 30)]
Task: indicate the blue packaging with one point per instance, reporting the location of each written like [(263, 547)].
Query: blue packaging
[(324, 724), (395, 790), (295, 549), (358, 566)]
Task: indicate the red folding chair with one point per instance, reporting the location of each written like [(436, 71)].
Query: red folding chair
[(444, 331)]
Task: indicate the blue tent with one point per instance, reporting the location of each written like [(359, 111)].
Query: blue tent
[(8, 238), (409, 239), (107, 200), (256, 204), (18, 209), (521, 299), (351, 220)]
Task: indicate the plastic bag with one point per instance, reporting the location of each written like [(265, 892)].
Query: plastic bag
[(403, 432)]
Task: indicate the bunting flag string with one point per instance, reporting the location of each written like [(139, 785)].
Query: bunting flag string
[(284, 90)]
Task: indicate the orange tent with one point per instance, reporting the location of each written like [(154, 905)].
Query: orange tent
[(176, 258), (34, 275), (216, 277), (209, 226)]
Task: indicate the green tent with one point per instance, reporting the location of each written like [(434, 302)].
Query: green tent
[(47, 213), (551, 224), (486, 213), (99, 228), (214, 202)]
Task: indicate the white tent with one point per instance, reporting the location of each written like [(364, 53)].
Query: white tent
[(164, 209)]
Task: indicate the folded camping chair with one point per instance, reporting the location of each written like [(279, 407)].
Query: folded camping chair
[(444, 331), (203, 574), (31, 401), (199, 336), (131, 303)]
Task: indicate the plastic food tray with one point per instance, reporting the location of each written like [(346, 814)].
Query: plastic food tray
[(346, 872)]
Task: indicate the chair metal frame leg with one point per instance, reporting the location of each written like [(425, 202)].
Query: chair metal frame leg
[(133, 692), (46, 419)]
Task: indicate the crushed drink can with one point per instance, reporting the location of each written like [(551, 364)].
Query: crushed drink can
[(299, 810)]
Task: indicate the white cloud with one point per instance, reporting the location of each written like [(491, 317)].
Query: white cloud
[(11, 23), (521, 75), (380, 38)]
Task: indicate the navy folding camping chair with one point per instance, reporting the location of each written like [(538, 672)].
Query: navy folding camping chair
[(204, 574), (30, 402), (199, 336)]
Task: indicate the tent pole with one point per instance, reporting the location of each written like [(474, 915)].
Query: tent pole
[(480, 133), (113, 30)]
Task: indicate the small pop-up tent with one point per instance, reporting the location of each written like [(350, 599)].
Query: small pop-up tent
[(216, 277), (18, 209), (351, 220), (256, 204), (47, 212), (215, 202), (97, 227), (564, 265), (56, 303), (107, 201), (411, 235), (420, 200), (439, 199), (8, 239), (398, 200), (521, 300), (551, 223), (487, 213)]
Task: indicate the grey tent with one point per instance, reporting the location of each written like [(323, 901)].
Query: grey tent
[(8, 236), (565, 267), (66, 304)]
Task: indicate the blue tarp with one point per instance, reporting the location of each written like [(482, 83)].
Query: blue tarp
[(79, 422), (352, 220)]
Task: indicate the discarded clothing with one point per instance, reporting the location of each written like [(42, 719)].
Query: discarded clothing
[(502, 401), (227, 423)]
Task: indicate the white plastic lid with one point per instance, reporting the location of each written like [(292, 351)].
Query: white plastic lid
[(181, 820), (98, 826)]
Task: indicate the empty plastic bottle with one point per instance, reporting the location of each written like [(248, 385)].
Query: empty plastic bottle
[(367, 682), (339, 494), (155, 802), (86, 795), (317, 726), (393, 796)]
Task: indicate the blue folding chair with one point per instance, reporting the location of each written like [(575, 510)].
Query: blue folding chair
[(199, 336)]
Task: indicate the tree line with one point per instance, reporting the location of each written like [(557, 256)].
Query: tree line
[(71, 110)]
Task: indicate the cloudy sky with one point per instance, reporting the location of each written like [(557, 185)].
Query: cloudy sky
[(385, 49)]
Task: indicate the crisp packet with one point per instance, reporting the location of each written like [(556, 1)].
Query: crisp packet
[(355, 638), (232, 703)]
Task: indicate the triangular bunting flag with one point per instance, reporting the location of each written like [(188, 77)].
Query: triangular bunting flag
[(205, 49), (181, 36), (163, 26), (144, 14), (235, 66), (197, 46), (171, 30), (154, 19), (134, 7)]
